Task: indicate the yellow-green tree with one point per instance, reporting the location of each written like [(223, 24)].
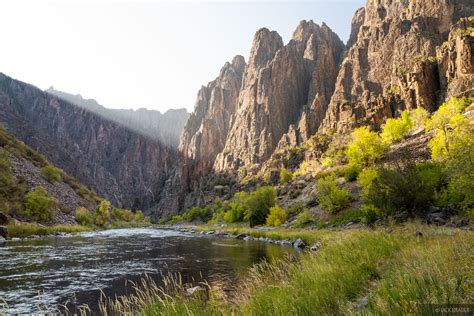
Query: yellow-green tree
[(103, 213), (366, 147)]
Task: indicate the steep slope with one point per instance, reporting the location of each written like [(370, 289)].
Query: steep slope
[(392, 63), (283, 85), (21, 172), (121, 165), (164, 127)]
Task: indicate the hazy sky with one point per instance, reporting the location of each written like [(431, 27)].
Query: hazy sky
[(144, 54)]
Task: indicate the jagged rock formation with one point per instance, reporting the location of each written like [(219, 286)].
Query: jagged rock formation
[(208, 126), (164, 127), (391, 64), (121, 165), (283, 85)]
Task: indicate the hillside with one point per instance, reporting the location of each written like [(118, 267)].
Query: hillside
[(24, 171), (121, 165), (164, 127)]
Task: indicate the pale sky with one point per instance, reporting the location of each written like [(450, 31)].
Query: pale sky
[(148, 54)]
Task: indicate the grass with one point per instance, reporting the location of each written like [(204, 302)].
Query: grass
[(392, 269), (27, 230)]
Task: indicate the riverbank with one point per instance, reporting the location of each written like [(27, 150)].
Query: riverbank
[(387, 270), (27, 230)]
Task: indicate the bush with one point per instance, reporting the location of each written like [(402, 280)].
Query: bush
[(370, 214), (419, 117), (202, 213), (84, 216), (39, 206), (235, 213), (365, 180), (366, 147), (407, 188), (176, 219), (450, 128), (257, 204), (138, 217), (285, 175), (304, 218), (277, 216), (351, 172), (103, 213), (330, 196), (395, 130), (52, 174), (294, 209)]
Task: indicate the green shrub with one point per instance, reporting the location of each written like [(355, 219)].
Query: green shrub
[(330, 196), (419, 117), (52, 174), (370, 214), (304, 219), (366, 147), (103, 213), (351, 172), (352, 215), (409, 188), (395, 130), (138, 217), (39, 206), (285, 175), (128, 216), (365, 180), (257, 204), (175, 219), (10, 191), (235, 213), (294, 209), (202, 213), (84, 216), (277, 216)]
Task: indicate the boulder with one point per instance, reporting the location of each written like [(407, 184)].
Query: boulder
[(4, 232), (299, 243), (241, 236), (315, 246)]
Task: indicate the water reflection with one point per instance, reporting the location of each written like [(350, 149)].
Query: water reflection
[(55, 270)]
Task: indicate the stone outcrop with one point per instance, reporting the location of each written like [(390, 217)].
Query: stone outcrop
[(392, 62), (164, 127), (283, 85), (206, 130), (119, 164)]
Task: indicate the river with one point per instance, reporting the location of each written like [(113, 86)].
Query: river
[(38, 274)]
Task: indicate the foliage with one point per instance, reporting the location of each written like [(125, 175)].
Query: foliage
[(366, 147), (351, 172), (103, 213), (409, 188), (395, 130), (257, 204), (419, 117), (204, 214), (370, 214), (295, 209), (27, 230), (335, 153), (84, 216), (10, 191), (330, 196), (176, 219), (51, 173), (277, 216), (235, 213), (304, 218), (285, 175), (351, 215), (450, 128), (39, 206)]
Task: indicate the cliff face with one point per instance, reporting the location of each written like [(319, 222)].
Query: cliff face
[(164, 127), (283, 85), (121, 165), (391, 63), (206, 131)]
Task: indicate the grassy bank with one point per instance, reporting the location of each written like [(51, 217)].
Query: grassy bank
[(27, 230), (356, 271)]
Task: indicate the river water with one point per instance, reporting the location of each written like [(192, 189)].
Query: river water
[(38, 274)]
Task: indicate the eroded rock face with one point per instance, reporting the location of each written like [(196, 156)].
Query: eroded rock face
[(121, 165), (206, 131), (392, 63), (282, 85)]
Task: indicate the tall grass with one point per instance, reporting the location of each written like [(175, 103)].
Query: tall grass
[(27, 230)]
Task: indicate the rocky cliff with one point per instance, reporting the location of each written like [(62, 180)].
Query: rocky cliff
[(283, 85), (164, 127), (392, 61), (121, 165)]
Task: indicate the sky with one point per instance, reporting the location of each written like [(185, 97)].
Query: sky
[(149, 54)]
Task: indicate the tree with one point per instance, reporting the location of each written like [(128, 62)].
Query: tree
[(277, 216), (103, 213), (330, 196), (366, 147), (395, 130), (39, 206), (257, 204), (84, 216)]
